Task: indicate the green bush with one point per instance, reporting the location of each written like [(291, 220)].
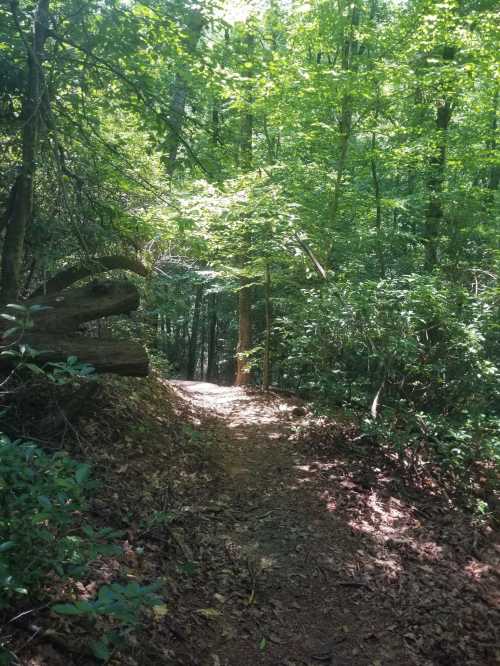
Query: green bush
[(42, 500), (122, 603), (430, 345)]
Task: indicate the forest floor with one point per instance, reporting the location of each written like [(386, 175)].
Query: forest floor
[(279, 540)]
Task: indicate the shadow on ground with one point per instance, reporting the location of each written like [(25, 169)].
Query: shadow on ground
[(307, 558)]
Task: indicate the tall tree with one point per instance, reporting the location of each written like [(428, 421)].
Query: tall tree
[(243, 375), (180, 89), (20, 207)]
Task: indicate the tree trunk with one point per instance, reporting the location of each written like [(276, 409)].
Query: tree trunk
[(51, 330), (436, 176), (68, 310), (203, 340), (115, 356), (243, 374), (349, 51), (69, 276), (22, 203), (435, 181), (193, 338), (194, 26), (378, 208), (212, 338), (266, 374), (494, 175)]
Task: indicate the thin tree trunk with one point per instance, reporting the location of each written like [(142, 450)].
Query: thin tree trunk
[(180, 90), (378, 208), (494, 175), (212, 337), (349, 51), (183, 352), (243, 374), (266, 374), (437, 167), (193, 338), (203, 341), (435, 181), (22, 204)]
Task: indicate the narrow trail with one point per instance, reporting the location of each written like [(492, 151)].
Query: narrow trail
[(318, 560)]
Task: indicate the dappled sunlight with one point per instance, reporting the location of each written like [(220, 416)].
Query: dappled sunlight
[(333, 538), (239, 408)]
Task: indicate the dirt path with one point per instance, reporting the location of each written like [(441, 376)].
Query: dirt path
[(276, 538), (307, 558)]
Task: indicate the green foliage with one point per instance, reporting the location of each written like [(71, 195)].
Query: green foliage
[(42, 498), (122, 603), (378, 224), (20, 318), (426, 344), (69, 370)]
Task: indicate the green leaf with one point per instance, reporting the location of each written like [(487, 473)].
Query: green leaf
[(45, 502), (11, 331), (16, 306), (101, 650), (66, 609), (82, 473)]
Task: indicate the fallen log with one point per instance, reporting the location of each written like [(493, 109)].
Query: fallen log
[(69, 276), (117, 356), (52, 330), (68, 310)]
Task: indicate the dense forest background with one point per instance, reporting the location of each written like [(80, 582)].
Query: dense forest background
[(312, 189), (304, 194)]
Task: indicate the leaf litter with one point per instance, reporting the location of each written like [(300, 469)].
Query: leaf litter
[(278, 540)]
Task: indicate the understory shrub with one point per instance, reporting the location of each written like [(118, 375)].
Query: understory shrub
[(427, 347), (121, 603), (42, 505)]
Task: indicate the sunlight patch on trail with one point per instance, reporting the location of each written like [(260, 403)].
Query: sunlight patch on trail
[(232, 403)]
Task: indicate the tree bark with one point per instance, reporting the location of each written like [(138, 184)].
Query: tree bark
[(69, 276), (115, 356), (212, 338), (193, 338), (67, 311), (22, 203), (243, 374), (266, 373)]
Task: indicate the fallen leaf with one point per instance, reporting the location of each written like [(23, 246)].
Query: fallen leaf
[(160, 611), (209, 613)]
